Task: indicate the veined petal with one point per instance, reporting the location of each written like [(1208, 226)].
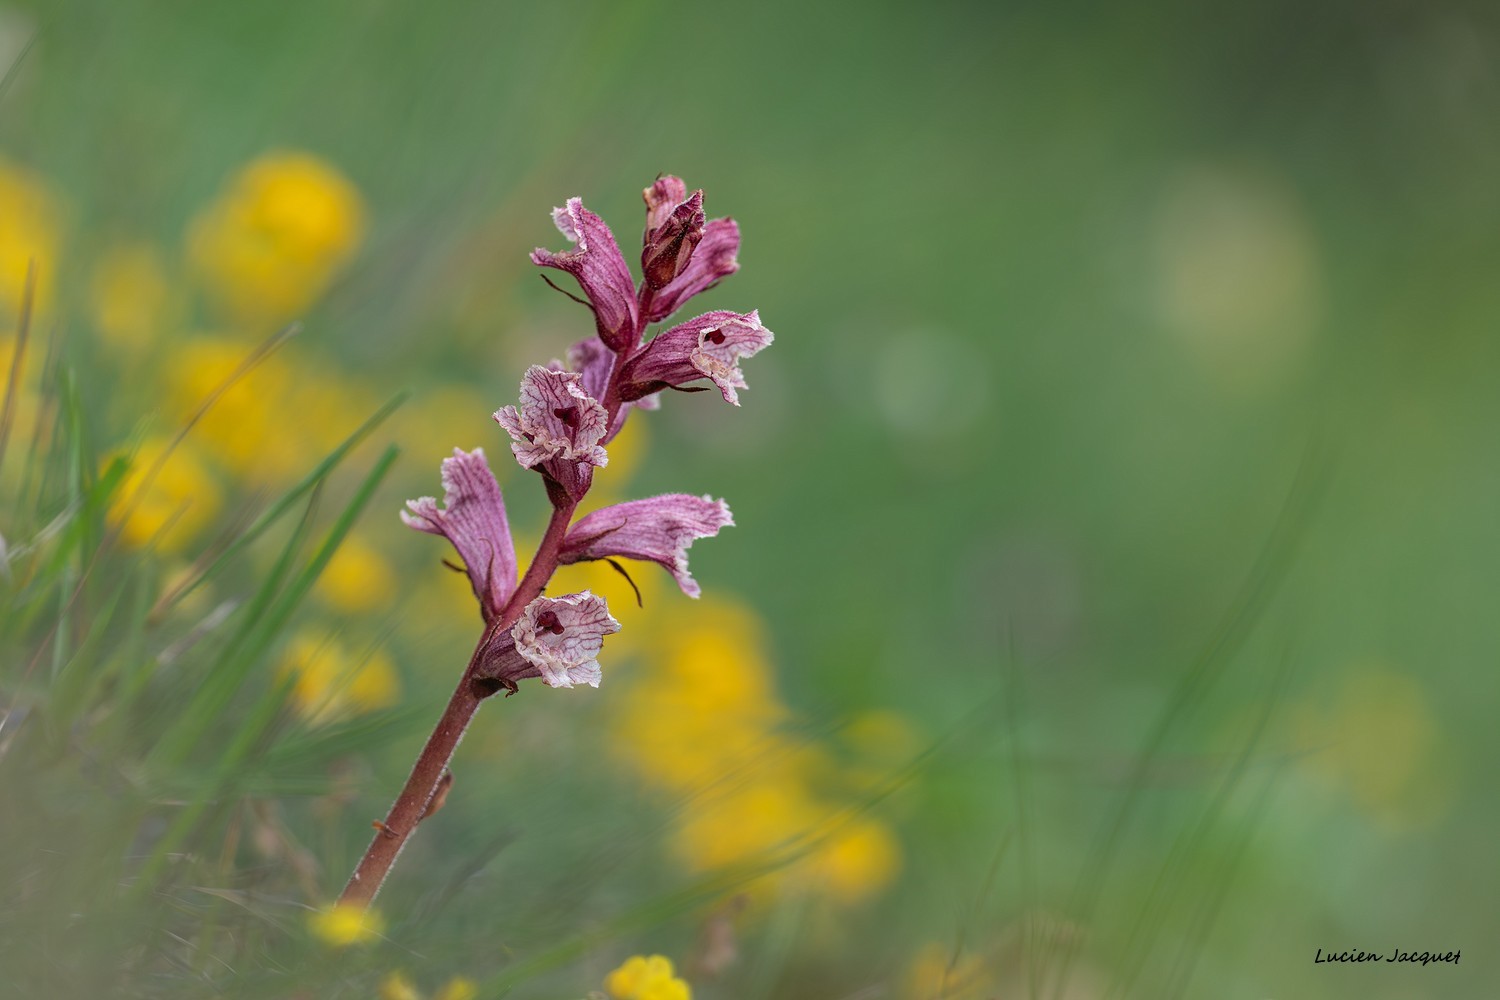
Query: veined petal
[(714, 258), (473, 519), (600, 268), (659, 529), (594, 361), (709, 346), (556, 419), (562, 637)]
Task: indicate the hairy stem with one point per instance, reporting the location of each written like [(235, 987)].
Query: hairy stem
[(411, 805), (543, 564)]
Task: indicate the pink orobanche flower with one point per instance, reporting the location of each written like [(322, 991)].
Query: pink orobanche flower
[(559, 428), (556, 638), (600, 268), (709, 346), (658, 529), (473, 519), (556, 419)]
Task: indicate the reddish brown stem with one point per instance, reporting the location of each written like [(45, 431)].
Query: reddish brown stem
[(407, 811), (422, 785), (410, 806), (543, 564)]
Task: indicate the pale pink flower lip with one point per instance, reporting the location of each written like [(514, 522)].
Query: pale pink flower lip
[(557, 418), (656, 529), (600, 268), (561, 637), (473, 519), (709, 346)]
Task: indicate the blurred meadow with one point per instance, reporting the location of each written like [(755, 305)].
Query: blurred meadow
[(1111, 610)]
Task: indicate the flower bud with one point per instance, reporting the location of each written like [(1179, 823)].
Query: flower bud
[(669, 247)]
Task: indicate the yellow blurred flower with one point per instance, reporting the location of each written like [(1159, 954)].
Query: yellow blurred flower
[(646, 978), (1381, 742), (860, 860), (703, 720), (458, 988), (328, 684), (746, 825), (275, 238), (706, 706), (248, 426), (274, 422), (1238, 273), (30, 231), (397, 987), (131, 296), (341, 925), (358, 578), (174, 505)]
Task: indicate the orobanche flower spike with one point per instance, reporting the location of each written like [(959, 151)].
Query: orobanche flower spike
[(560, 428)]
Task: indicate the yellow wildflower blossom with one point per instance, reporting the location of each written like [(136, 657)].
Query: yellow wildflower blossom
[(705, 722), (341, 925), (748, 825), (327, 684), (275, 421), (358, 578), (458, 988), (30, 231), (707, 706), (1381, 742), (174, 506), (860, 860), (245, 426), (397, 987), (131, 296), (646, 978), (272, 242)]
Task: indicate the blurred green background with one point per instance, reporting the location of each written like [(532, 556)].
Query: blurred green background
[(1111, 610)]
